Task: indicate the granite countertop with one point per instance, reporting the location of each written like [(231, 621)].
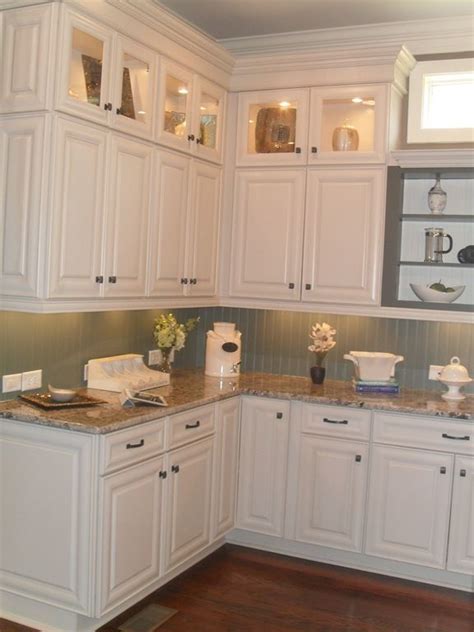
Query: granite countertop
[(191, 388)]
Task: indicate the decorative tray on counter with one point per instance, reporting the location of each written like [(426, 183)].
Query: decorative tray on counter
[(44, 400)]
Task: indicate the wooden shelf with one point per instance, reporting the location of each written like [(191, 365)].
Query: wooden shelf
[(420, 217), (436, 265)]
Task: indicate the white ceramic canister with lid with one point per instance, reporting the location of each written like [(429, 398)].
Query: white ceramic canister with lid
[(223, 350)]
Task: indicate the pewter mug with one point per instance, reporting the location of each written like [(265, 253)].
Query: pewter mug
[(434, 244)]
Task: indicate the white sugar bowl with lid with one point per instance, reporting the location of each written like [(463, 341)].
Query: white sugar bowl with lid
[(454, 375)]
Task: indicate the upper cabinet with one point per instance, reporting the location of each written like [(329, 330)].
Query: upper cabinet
[(26, 65), (347, 124), (190, 113), (105, 77), (272, 127)]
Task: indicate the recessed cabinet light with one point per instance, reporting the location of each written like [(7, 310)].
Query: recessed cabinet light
[(183, 90), (357, 100), (284, 104)]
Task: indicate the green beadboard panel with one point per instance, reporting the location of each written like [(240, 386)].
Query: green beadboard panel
[(272, 341)]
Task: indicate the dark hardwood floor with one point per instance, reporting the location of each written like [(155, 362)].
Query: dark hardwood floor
[(242, 590)]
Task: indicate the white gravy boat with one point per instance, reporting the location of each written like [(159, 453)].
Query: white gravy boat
[(373, 366)]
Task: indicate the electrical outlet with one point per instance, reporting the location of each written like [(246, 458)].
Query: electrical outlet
[(435, 370), (154, 357), (86, 372), (11, 383), (31, 380)]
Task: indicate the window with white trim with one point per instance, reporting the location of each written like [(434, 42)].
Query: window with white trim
[(441, 102)]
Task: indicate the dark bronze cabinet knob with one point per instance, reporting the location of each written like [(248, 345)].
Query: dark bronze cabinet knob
[(191, 137)]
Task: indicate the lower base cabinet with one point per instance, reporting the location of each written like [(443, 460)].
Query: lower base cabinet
[(131, 502), (263, 465), (409, 505), (330, 492), (461, 545), (187, 527)]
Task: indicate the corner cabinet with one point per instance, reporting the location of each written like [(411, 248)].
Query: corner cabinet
[(408, 216), (185, 226), (324, 246)]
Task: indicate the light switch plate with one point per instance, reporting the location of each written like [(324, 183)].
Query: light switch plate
[(11, 383), (31, 380), (154, 357)]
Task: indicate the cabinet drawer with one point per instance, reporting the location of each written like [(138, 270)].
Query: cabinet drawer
[(191, 425), (447, 435), (125, 447), (336, 421)]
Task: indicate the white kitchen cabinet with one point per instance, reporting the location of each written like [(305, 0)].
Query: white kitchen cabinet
[(461, 535), (130, 526), (187, 527), (263, 465), (330, 492), (22, 151), (98, 243), (190, 112), (128, 216), (343, 236), (47, 504), (409, 505), (185, 226), (272, 128), (348, 124), (268, 233), (225, 467), (78, 203), (105, 77), (27, 62)]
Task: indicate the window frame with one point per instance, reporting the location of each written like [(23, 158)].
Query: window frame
[(416, 97)]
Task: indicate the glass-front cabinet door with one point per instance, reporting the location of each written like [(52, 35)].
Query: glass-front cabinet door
[(347, 124), (208, 119), (133, 99), (85, 68), (272, 127), (173, 125)]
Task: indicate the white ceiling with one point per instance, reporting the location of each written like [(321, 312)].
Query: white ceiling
[(224, 19)]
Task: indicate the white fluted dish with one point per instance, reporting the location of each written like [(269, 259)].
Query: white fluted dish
[(428, 295)]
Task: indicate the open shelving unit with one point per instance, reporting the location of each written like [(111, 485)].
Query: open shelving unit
[(406, 220)]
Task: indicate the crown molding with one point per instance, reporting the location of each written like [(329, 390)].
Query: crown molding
[(462, 157), (420, 36)]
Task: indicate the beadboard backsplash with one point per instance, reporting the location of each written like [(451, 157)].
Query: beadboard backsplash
[(273, 341)]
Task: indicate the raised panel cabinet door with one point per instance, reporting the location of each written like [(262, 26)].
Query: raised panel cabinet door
[(134, 88), (76, 268), (26, 63), (21, 174), (263, 465), (331, 492), (48, 515), (348, 124), (169, 224), (272, 128), (225, 467), (208, 119), (203, 229), (173, 126), (85, 71), (127, 217), (267, 236), (409, 505), (188, 502), (461, 534), (130, 531), (343, 236)]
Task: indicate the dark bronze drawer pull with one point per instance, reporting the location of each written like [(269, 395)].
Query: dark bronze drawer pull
[(462, 473), (140, 444), (447, 436), (163, 474), (358, 458), (442, 470), (335, 421), (196, 425), (175, 468), (279, 415)]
